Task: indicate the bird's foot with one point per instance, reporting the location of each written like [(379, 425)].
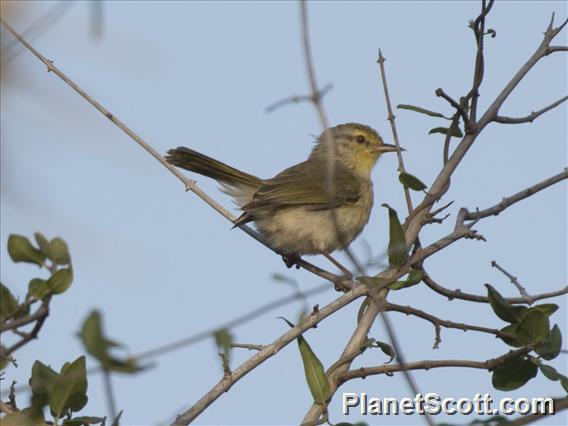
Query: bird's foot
[(291, 260)]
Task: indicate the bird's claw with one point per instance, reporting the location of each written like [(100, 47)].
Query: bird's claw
[(291, 260)]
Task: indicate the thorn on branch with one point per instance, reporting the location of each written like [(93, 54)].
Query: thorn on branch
[(523, 292)]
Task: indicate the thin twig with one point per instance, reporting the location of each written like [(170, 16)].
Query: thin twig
[(459, 108), (360, 333), (269, 350), (416, 222), (36, 28), (296, 99), (438, 322), (515, 198), (39, 317), (391, 119), (531, 117), (458, 294), (560, 404), (109, 393), (489, 364), (190, 185), (514, 281), (328, 138), (206, 334), (249, 346)]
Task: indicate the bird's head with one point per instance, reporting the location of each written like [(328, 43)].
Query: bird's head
[(357, 146)]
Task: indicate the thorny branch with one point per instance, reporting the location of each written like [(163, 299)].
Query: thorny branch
[(515, 282), (190, 185), (531, 117), (414, 223), (458, 294), (359, 337), (438, 323), (489, 365)]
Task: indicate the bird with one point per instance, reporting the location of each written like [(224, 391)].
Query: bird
[(297, 212)]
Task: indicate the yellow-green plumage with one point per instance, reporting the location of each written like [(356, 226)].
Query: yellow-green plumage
[(293, 209)]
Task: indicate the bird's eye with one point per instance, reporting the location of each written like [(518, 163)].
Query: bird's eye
[(361, 139)]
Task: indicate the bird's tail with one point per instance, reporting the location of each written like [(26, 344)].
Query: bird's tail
[(194, 161)]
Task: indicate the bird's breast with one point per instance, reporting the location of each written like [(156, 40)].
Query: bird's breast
[(301, 230)]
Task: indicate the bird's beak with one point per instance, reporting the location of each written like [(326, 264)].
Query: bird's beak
[(385, 147)]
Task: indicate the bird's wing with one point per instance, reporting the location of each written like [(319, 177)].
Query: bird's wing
[(305, 185)]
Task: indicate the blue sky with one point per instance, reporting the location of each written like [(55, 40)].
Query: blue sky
[(161, 265)]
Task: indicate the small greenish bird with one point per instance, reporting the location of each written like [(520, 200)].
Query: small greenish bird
[(292, 210)]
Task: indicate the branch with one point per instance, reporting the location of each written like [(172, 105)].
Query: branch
[(42, 311), (190, 185), (267, 352), (205, 334), (441, 183), (553, 49), (489, 365), (515, 282), (559, 405), (531, 117), (391, 118), (458, 294), (521, 195), (478, 27), (351, 351), (249, 346), (38, 317), (460, 108), (438, 323), (296, 99)]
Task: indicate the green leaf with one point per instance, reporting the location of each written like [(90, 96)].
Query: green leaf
[(224, 340), (38, 288), (444, 130), (421, 110), (533, 328), (98, 345), (547, 308), (414, 277), (386, 348), (42, 381), (61, 280), (411, 181), (21, 250), (551, 347), (58, 252), (550, 373), (315, 373), (511, 330), (513, 373), (42, 242), (313, 369), (502, 308), (8, 303), (70, 389), (398, 251)]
